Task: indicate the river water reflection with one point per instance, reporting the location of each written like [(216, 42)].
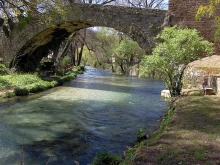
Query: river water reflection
[(97, 111)]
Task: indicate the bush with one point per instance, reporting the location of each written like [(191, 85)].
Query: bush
[(80, 68), (33, 88), (3, 83), (104, 158), (69, 77), (40, 86), (80, 72), (8, 95), (21, 91), (53, 84), (3, 70)]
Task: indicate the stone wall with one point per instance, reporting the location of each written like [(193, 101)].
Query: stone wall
[(184, 13), (139, 23), (194, 78)]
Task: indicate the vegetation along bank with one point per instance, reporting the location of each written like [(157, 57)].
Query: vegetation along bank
[(15, 84)]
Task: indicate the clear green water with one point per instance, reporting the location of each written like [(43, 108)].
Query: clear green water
[(95, 112)]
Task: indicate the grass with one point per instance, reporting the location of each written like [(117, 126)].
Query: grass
[(188, 135), (23, 84)]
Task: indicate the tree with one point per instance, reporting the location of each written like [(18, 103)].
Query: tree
[(211, 10), (112, 49), (171, 56), (12, 12), (18, 13), (147, 3), (127, 53)]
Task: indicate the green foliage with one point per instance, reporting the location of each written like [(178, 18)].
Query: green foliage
[(66, 61), (141, 133), (8, 95), (211, 10), (104, 158), (22, 21), (21, 91), (3, 83), (22, 79), (68, 77), (3, 70), (128, 49), (112, 50), (24, 84), (41, 86), (80, 68), (171, 56), (163, 125), (130, 153)]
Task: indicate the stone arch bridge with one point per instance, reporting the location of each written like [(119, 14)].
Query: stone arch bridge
[(28, 45)]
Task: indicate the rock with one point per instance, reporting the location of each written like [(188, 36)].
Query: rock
[(165, 93)]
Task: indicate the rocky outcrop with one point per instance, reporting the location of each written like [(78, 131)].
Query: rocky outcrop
[(203, 73)]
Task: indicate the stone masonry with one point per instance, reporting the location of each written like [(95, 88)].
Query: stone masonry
[(184, 12), (142, 25)]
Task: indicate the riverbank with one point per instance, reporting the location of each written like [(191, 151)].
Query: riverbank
[(192, 136), (23, 84)]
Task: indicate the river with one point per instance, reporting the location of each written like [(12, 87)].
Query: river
[(98, 111)]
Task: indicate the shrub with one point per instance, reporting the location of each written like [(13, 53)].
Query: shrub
[(3, 83), (69, 77), (33, 88), (80, 72), (8, 95), (53, 83), (21, 91), (40, 86), (3, 70), (104, 158), (80, 68)]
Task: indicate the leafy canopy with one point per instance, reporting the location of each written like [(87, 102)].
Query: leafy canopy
[(170, 57), (211, 10)]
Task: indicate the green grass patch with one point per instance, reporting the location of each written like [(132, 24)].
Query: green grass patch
[(104, 158), (21, 91), (3, 70), (24, 84), (163, 125), (8, 95), (4, 83)]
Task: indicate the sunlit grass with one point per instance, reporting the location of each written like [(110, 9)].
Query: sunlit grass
[(23, 84), (191, 136)]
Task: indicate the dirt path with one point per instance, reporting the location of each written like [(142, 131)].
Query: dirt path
[(191, 137)]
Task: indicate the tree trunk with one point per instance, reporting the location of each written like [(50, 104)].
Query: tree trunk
[(177, 84), (122, 68), (73, 53), (55, 54), (80, 55)]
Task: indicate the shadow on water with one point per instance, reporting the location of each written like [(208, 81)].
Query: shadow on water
[(71, 138), (136, 87), (75, 122)]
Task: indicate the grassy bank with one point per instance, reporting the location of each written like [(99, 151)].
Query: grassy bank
[(24, 84), (192, 136)]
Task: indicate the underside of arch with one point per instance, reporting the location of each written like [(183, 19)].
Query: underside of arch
[(30, 55)]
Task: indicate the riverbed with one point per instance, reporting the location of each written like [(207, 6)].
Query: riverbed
[(97, 111)]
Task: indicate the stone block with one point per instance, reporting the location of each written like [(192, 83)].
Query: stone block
[(165, 93)]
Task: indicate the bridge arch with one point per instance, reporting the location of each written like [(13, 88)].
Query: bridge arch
[(142, 25)]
